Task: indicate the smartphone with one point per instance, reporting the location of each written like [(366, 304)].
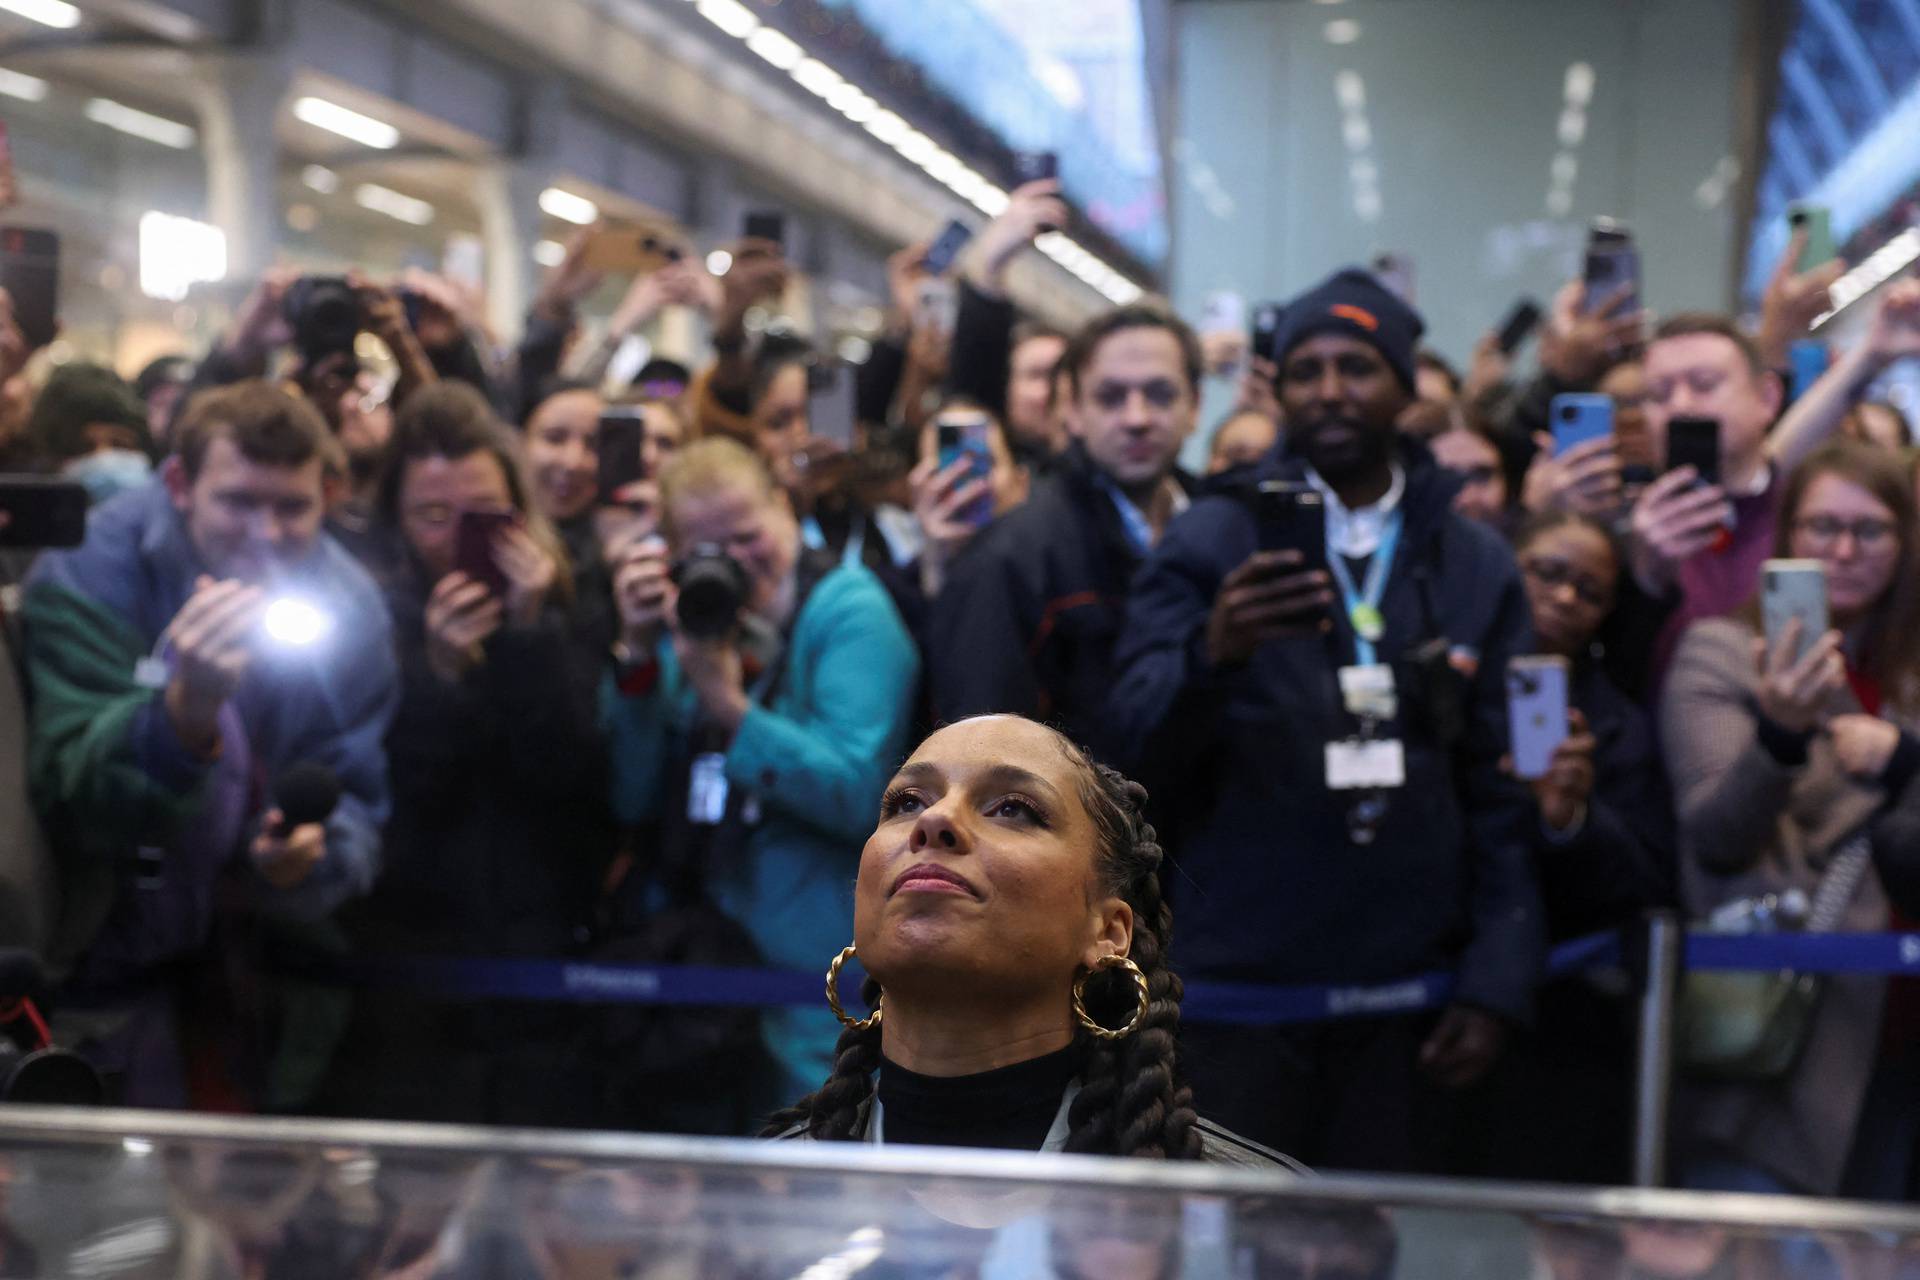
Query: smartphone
[(1807, 360), (964, 434), (1265, 341), (1293, 517), (946, 247), (1578, 417), (1817, 221), (1536, 712), (623, 432), (1395, 272), (830, 401), (765, 224), (1695, 442), (631, 249), (30, 273), (1035, 166), (1612, 270), (1519, 325), (473, 547), (1792, 589), (42, 511)]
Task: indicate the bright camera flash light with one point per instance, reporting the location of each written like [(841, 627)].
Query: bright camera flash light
[(295, 623)]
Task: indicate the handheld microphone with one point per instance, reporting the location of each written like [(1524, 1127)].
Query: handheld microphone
[(307, 792)]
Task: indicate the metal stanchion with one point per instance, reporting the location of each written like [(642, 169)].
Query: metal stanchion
[(1653, 1072)]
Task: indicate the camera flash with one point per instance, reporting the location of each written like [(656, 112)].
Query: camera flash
[(295, 623)]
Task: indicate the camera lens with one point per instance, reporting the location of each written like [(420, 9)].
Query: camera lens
[(713, 590), (1568, 413)]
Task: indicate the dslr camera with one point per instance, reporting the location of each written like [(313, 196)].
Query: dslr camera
[(324, 313), (713, 590)]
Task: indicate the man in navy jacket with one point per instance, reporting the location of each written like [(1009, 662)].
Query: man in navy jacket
[(1326, 744)]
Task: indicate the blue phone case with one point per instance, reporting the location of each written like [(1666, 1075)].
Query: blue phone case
[(975, 450), (1578, 418)]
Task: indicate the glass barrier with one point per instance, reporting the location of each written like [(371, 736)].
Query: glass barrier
[(102, 1193)]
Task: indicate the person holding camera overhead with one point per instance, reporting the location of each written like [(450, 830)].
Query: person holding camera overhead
[(760, 695), (1315, 669), (205, 644), (1790, 729), (499, 832)]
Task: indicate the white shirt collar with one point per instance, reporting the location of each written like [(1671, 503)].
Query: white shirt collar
[(1356, 533)]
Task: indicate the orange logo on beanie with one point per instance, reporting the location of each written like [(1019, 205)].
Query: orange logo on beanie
[(1359, 315)]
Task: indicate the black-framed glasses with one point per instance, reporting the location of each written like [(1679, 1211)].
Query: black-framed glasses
[(1553, 573), (1870, 533)]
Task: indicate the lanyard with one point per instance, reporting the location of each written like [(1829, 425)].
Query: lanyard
[(1363, 608), (811, 534)]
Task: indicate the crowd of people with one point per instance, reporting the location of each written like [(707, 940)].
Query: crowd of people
[(655, 720)]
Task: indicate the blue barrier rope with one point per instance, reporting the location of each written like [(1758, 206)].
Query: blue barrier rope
[(1238, 1003)]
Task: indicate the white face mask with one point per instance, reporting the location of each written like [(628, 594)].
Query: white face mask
[(110, 471)]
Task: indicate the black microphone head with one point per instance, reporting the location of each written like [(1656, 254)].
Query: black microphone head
[(307, 792)]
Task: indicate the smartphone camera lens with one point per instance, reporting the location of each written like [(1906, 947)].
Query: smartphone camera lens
[(1568, 413)]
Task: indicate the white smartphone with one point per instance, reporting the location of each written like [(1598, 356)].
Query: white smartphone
[(1536, 711), (1792, 589)]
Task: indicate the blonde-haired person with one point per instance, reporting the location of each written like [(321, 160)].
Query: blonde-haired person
[(756, 740), (1777, 763)]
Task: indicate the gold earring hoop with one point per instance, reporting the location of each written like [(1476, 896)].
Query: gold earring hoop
[(867, 1023), (1140, 989)]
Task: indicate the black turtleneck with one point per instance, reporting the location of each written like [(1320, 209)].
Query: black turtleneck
[(1009, 1107)]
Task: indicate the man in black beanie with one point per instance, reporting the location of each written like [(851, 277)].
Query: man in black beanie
[(1310, 680)]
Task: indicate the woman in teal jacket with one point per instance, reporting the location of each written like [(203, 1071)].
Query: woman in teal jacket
[(756, 743)]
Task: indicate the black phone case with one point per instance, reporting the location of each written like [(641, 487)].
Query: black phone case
[(1695, 442), (620, 463)]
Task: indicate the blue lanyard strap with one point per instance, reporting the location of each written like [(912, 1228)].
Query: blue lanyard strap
[(1363, 607)]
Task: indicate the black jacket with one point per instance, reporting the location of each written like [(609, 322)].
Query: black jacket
[(1027, 620), (1621, 862), (1268, 885)]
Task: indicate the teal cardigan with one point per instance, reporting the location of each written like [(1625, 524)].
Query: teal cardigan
[(817, 759)]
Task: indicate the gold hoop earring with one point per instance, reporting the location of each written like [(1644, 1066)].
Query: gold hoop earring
[(867, 1023), (1139, 986)]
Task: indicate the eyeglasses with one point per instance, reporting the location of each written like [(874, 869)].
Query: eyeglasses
[(1554, 574), (1161, 393), (1869, 532)]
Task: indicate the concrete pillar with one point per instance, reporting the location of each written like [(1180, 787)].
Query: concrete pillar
[(238, 96)]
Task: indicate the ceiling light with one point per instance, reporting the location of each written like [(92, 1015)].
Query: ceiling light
[(990, 200), (569, 207), (549, 253), (178, 253), (118, 115), (52, 13), (1573, 126), (402, 208), (321, 179), (1357, 133), (730, 16), (335, 118), (1366, 205), (887, 127), (719, 262), (853, 104), (916, 146), (817, 78), (1560, 202), (26, 88), (776, 48), (941, 166), (1579, 84), (1566, 167), (1362, 171), (1351, 90), (1342, 31)]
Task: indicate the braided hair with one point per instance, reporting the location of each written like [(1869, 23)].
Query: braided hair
[(1132, 1101)]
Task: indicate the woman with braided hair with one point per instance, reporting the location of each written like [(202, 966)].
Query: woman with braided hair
[(1008, 910)]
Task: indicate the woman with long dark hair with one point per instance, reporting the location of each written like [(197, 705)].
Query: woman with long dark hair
[(1009, 913)]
